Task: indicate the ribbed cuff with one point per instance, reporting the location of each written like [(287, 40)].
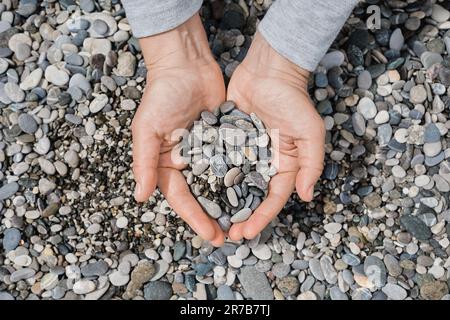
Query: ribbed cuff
[(150, 17), (303, 30)]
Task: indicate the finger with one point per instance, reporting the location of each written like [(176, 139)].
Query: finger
[(310, 158), (146, 146), (173, 159), (236, 232), (280, 189), (219, 238), (174, 187)]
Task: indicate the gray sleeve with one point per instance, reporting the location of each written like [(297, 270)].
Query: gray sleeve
[(303, 30), (150, 17)]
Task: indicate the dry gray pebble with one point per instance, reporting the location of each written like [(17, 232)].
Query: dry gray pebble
[(217, 150)]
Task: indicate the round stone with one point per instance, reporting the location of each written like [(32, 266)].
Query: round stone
[(13, 92), (100, 26), (122, 222), (262, 252), (56, 76), (27, 123), (418, 94), (367, 108)]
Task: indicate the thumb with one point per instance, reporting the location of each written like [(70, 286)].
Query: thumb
[(310, 158), (146, 147)]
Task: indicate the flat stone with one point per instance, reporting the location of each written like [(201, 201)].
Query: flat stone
[(209, 117), (394, 292), (230, 176), (83, 286), (157, 290), (432, 133), (161, 267), (332, 227), (118, 279), (397, 40), (418, 94), (432, 149), (224, 292), (27, 123), (211, 208), (32, 80), (11, 239), (316, 270), (241, 215), (364, 80), (232, 197), (375, 271), (332, 59), (13, 92), (328, 270), (439, 13), (8, 190), (255, 284), (429, 59), (22, 274), (262, 252), (97, 268), (56, 76), (367, 108), (98, 103), (416, 227)]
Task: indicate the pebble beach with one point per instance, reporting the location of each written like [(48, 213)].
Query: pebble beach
[(71, 78)]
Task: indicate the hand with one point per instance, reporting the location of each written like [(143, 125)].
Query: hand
[(183, 79), (276, 90)]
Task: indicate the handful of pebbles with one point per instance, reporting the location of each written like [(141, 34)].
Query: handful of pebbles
[(229, 163)]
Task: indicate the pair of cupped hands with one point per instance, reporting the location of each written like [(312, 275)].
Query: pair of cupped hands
[(183, 80)]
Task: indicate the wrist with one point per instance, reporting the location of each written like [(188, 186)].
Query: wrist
[(264, 61), (186, 44)]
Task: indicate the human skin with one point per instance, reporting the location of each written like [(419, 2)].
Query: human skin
[(276, 90), (183, 79)]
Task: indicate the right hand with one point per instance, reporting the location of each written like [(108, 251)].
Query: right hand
[(183, 79)]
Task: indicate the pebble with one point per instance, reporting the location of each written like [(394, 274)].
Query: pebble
[(375, 230), (11, 239), (8, 189), (241, 216), (83, 286), (98, 103), (418, 94), (126, 64), (27, 123), (210, 207), (118, 279), (13, 92), (157, 290), (56, 76), (416, 227), (224, 292), (394, 291), (262, 252), (255, 284), (367, 108)]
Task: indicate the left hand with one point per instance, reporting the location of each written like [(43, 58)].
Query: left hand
[(275, 89)]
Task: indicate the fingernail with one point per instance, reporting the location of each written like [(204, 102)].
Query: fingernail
[(137, 191)]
